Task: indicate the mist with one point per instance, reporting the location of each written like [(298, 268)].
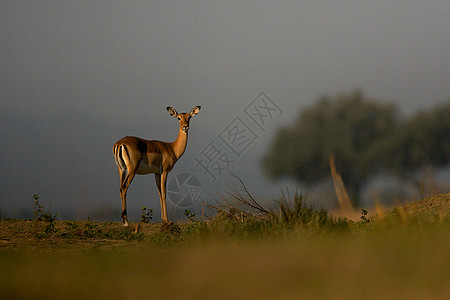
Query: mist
[(78, 76)]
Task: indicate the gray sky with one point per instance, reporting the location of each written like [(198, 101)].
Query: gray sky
[(78, 75)]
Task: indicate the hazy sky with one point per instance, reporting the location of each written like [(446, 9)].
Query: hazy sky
[(78, 75)]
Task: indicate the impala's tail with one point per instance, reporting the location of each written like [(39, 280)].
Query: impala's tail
[(122, 157)]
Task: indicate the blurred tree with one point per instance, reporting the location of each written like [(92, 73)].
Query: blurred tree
[(423, 140), (350, 127), (364, 136)]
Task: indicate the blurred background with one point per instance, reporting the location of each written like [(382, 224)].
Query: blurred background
[(284, 86)]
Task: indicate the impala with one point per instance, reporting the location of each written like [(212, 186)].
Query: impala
[(138, 156)]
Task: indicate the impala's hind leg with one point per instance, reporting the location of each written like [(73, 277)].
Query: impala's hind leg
[(126, 181), (126, 173)]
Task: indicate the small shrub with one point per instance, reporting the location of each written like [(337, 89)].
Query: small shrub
[(189, 215), (91, 230), (72, 225), (364, 213), (170, 227), (146, 214), (298, 213), (40, 214)]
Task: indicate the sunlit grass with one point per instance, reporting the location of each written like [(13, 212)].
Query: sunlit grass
[(400, 263), (293, 251)]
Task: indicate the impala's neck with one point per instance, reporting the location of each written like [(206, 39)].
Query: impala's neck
[(179, 145)]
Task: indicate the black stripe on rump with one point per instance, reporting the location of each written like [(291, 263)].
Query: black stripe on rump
[(120, 159)]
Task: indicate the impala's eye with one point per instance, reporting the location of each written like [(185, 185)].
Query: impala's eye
[(179, 118)]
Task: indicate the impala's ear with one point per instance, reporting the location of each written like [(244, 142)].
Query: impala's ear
[(172, 111), (195, 110)]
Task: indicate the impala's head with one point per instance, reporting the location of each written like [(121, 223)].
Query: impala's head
[(183, 118)]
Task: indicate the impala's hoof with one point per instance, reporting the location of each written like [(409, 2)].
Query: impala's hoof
[(125, 224)]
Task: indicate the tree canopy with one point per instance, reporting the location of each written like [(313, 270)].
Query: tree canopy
[(422, 140), (363, 135)]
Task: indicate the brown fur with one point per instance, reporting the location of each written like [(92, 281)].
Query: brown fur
[(139, 156)]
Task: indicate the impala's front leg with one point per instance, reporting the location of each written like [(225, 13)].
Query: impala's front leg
[(158, 185), (163, 197)]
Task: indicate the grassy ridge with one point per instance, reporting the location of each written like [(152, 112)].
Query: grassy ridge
[(294, 252), (400, 264)]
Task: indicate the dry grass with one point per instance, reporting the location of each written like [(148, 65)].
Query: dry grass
[(402, 256), (396, 265)]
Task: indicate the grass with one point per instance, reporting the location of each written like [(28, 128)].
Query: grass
[(401, 264), (294, 251)]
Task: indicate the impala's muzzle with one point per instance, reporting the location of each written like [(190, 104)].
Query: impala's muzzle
[(185, 128)]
